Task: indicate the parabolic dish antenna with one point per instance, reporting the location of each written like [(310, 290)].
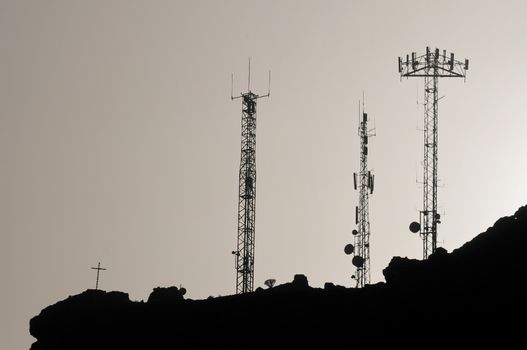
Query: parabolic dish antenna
[(415, 227), (358, 261), (270, 282)]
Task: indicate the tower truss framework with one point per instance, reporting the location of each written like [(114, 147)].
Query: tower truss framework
[(366, 185), (245, 247), (432, 66), (363, 181)]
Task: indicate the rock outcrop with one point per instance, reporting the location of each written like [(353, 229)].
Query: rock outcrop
[(470, 296)]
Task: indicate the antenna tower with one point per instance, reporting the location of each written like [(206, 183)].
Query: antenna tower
[(432, 66), (244, 252), (364, 180)]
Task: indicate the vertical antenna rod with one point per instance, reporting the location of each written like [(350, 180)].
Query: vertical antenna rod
[(244, 252), (432, 66), (98, 268), (361, 246), (249, 77)]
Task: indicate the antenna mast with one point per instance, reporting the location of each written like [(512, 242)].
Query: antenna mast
[(244, 252), (431, 66), (364, 180)]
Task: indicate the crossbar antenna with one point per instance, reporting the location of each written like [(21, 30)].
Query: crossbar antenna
[(244, 253), (431, 66)]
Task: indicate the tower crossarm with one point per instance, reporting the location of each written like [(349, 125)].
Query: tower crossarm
[(433, 63)]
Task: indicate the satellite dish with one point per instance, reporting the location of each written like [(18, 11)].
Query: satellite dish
[(354, 232), (182, 291), (358, 261), (270, 282), (348, 249), (415, 227)]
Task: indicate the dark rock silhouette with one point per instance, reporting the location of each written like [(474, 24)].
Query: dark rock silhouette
[(167, 295), (473, 295)]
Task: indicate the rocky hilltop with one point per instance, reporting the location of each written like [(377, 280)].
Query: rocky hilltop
[(472, 295)]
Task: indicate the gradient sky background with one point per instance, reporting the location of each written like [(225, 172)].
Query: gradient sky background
[(119, 142)]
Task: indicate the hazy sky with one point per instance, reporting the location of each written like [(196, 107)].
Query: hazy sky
[(119, 142)]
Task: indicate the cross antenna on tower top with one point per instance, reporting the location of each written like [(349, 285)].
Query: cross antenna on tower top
[(249, 86), (431, 66)]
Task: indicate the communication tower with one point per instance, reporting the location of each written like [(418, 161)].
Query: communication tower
[(364, 181), (431, 66), (244, 252)]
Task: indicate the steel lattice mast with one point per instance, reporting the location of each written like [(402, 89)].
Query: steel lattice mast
[(244, 252), (431, 66), (365, 182)]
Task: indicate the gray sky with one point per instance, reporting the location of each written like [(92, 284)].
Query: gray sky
[(119, 143)]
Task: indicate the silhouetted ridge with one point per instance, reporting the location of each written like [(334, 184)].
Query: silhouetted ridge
[(493, 257), (165, 295), (471, 295)]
